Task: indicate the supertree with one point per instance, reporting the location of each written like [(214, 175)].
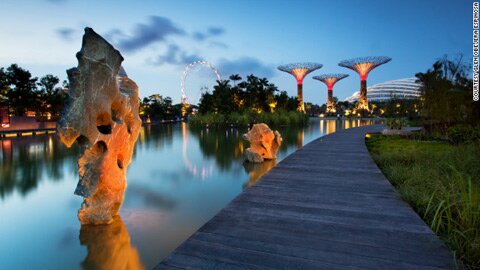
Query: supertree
[(363, 65), (299, 71), (330, 80)]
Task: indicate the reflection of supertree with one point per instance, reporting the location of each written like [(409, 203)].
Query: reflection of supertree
[(330, 80), (299, 71), (363, 65)]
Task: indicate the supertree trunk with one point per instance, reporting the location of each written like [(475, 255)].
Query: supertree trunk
[(363, 101), (301, 105), (330, 105)]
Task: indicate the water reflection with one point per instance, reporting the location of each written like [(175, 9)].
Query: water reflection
[(155, 136), (256, 171), (165, 202), (300, 138), (204, 170), (25, 160), (225, 146), (109, 247)]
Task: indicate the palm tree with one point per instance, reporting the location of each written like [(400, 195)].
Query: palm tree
[(235, 78)]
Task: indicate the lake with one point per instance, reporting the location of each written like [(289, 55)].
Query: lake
[(179, 178)]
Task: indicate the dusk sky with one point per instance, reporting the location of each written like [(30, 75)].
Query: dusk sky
[(158, 38)]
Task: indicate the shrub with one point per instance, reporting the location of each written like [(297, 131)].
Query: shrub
[(463, 134), (395, 123)]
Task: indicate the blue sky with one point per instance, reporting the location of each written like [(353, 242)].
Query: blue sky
[(158, 38)]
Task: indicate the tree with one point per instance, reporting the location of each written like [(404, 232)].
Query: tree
[(206, 103), (50, 99), (4, 85), (446, 94), (235, 78), (22, 93), (158, 106), (257, 94)]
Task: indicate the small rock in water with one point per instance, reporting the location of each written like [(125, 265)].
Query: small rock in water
[(102, 117), (264, 143)]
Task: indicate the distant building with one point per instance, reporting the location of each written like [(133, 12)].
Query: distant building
[(400, 89), (4, 116)]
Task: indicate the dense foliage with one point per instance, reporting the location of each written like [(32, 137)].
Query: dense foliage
[(158, 107), (23, 93), (254, 100), (447, 96), (256, 94), (279, 118)]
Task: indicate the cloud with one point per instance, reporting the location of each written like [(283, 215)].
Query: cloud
[(144, 34), (245, 66), (66, 33), (199, 36), (216, 44), (216, 31), (175, 56), (212, 31)]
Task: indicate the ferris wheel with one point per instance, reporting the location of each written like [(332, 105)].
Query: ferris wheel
[(187, 70)]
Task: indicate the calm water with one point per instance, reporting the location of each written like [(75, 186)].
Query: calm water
[(179, 179)]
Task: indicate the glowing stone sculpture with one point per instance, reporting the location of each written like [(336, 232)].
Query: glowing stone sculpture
[(299, 71), (363, 66), (103, 118), (330, 80), (264, 143)]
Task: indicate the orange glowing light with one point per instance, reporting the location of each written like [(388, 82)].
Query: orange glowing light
[(300, 73), (363, 65), (363, 69), (330, 82), (330, 79)]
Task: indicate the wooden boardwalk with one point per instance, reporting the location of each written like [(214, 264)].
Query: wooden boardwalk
[(326, 206)]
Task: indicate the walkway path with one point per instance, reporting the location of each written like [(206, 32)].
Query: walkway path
[(326, 206)]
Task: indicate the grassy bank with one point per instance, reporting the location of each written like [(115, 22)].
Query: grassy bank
[(442, 183), (281, 118)]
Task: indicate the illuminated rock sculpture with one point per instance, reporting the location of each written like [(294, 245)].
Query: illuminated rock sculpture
[(102, 117), (264, 143)]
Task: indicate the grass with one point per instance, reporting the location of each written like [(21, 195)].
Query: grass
[(280, 118), (442, 183)]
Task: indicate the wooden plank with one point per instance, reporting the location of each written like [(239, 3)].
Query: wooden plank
[(325, 206)]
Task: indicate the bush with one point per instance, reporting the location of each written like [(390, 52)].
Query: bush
[(395, 123), (463, 134), (280, 118)]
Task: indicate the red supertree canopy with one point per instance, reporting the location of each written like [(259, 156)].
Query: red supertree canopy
[(330, 79), (363, 65), (300, 70)]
